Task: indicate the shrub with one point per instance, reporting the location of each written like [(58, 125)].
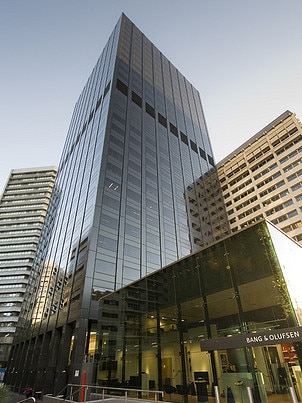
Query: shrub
[(3, 393)]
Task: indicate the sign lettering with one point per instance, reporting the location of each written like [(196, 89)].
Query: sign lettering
[(289, 335)]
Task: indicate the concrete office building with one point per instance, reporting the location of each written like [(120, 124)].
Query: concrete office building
[(127, 201), (263, 178), (23, 207)]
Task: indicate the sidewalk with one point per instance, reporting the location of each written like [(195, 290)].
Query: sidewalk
[(14, 397)]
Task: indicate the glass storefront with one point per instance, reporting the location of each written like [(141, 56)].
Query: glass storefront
[(218, 321)]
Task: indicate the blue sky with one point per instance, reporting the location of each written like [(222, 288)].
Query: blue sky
[(243, 56)]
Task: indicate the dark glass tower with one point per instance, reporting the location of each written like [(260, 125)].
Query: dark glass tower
[(136, 155)]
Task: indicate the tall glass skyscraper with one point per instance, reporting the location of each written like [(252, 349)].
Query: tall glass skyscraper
[(133, 168)]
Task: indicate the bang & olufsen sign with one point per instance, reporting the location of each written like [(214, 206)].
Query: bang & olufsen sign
[(288, 335)]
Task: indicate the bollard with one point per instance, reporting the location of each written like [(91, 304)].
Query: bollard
[(217, 398), (293, 395), (250, 395)]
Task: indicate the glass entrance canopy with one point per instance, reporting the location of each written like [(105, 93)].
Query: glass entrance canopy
[(229, 313)]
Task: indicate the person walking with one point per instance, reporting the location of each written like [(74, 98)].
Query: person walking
[(28, 392)]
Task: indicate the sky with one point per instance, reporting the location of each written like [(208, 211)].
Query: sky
[(243, 56)]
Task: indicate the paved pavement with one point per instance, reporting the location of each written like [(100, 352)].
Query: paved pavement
[(14, 397)]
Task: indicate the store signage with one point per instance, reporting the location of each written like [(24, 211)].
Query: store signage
[(288, 335)]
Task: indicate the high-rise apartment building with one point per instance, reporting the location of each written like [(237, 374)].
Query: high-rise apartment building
[(126, 201), (263, 178), (23, 207)]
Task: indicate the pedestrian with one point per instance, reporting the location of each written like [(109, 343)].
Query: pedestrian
[(28, 392)]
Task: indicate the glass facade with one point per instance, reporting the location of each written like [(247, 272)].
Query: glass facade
[(223, 314), (133, 168)]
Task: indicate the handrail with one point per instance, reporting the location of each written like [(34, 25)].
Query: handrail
[(84, 389), (28, 399)]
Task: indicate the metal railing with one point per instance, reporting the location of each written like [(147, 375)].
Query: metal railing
[(88, 393), (28, 400)]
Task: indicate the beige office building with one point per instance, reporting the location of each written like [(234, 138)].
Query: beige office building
[(23, 207), (263, 178)]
